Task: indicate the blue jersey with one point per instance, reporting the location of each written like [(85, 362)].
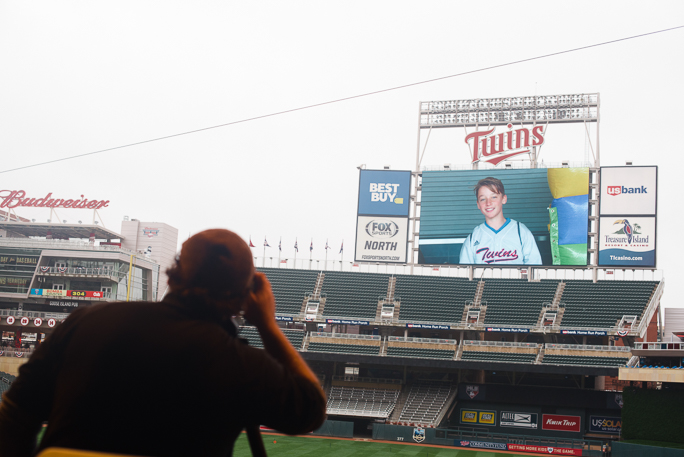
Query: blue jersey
[(512, 244)]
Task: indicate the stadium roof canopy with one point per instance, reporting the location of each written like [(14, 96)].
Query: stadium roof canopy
[(58, 231)]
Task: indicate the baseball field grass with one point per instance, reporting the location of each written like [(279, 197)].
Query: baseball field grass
[(279, 445)]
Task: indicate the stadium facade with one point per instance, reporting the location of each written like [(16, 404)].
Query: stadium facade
[(49, 269)]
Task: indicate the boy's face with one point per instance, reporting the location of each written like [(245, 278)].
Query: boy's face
[(490, 203)]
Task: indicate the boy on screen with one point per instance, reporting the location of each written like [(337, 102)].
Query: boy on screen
[(499, 240)]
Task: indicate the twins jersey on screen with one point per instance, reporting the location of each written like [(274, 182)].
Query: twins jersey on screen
[(512, 244)]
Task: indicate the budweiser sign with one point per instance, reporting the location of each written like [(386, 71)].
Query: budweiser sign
[(18, 198), (495, 148)]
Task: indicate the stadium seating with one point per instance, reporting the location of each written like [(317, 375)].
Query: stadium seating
[(251, 334), (604, 303), (362, 401), (420, 353), (290, 287), (433, 299), (425, 401), (6, 380), (353, 295), (499, 356), (516, 301), (585, 360), (362, 349)]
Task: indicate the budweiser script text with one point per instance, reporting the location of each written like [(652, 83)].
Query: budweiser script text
[(17, 198)]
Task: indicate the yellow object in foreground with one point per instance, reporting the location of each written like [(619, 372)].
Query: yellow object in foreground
[(64, 452)]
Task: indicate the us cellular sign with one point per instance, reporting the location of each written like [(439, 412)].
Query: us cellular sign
[(382, 216)]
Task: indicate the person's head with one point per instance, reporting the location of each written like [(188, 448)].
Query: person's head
[(216, 264), (491, 197)]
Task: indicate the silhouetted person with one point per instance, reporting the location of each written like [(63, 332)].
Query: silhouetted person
[(166, 378)]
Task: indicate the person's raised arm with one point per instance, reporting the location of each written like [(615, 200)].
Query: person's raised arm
[(260, 311)]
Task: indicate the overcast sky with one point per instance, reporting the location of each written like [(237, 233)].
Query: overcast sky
[(83, 76)]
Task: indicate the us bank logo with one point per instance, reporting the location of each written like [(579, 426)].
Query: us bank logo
[(619, 190)]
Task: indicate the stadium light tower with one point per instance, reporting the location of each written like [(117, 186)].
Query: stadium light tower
[(484, 113)]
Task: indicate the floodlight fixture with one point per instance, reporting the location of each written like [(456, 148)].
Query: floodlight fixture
[(536, 109)]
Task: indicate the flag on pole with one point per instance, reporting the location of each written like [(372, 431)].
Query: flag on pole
[(342, 247), (296, 248), (251, 245), (266, 243), (311, 247), (280, 245), (326, 245)]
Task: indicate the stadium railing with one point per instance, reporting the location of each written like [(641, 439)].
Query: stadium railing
[(408, 339), (347, 336), (509, 344), (584, 347)]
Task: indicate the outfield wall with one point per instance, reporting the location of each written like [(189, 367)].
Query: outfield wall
[(339, 429), (637, 450), (489, 441)]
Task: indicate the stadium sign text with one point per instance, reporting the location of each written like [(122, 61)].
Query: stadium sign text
[(481, 445), (345, 322), (584, 332), (17, 198), (561, 423), (429, 326), (497, 148), (604, 424), (508, 330), (543, 449)]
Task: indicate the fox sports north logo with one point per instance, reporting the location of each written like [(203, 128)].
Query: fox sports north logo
[(380, 229)]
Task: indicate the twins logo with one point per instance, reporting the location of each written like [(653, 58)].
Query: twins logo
[(501, 255)]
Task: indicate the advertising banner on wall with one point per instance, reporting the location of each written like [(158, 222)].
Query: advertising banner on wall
[(561, 423), (381, 239), (543, 449), (605, 424), (518, 420), (629, 190), (628, 241), (384, 192), (472, 416), (544, 217), (382, 221)]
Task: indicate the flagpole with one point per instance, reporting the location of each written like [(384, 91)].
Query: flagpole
[(280, 245), (263, 261), (296, 249), (326, 255)]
